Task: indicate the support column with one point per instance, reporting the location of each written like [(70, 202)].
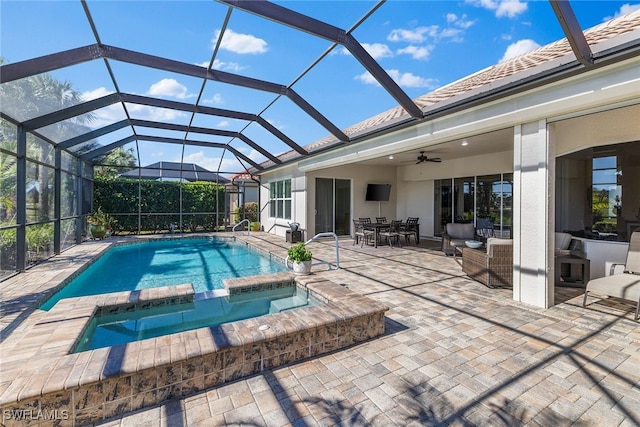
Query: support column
[(57, 203), (533, 218), (21, 198)]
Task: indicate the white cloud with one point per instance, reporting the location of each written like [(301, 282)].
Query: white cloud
[(95, 93), (420, 34), (144, 112), (416, 35), (518, 48), (106, 115), (215, 100), (229, 161), (624, 9), (226, 66), (223, 123), (508, 8), (367, 78), (402, 79), (241, 43), (417, 52), (462, 22), (377, 50), (411, 80), (169, 87)]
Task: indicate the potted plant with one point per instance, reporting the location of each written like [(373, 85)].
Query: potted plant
[(101, 224), (300, 257)]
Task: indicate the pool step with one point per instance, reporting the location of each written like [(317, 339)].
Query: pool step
[(284, 304)]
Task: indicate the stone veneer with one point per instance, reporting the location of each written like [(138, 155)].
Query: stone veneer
[(87, 387)]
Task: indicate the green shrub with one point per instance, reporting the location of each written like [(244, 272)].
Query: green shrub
[(299, 253)]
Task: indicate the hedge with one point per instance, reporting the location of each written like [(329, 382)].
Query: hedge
[(160, 204)]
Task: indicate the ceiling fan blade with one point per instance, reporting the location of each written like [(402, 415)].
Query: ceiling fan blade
[(436, 160)]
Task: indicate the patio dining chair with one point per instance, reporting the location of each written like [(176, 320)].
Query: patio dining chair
[(625, 285), (360, 234), (391, 232), (409, 228), (381, 219)]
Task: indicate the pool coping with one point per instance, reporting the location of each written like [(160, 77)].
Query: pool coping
[(101, 383)]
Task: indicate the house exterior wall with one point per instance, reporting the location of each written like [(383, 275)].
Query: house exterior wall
[(360, 176), (537, 141), (299, 198)]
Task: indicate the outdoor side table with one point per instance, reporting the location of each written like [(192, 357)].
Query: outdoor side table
[(294, 236), (575, 278)]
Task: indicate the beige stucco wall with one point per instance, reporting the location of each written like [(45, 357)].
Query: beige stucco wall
[(360, 176)]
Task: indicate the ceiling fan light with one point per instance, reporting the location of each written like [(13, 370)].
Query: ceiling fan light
[(465, 143)]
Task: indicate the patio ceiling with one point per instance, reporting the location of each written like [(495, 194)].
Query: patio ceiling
[(111, 117)]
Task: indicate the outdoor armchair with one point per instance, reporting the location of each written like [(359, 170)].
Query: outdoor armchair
[(565, 245), (493, 268), (455, 235)]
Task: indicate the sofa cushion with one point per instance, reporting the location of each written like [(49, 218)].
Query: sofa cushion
[(461, 231)]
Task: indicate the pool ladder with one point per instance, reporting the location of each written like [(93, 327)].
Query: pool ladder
[(240, 223), (335, 237)]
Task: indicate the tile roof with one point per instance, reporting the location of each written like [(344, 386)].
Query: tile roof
[(491, 75)]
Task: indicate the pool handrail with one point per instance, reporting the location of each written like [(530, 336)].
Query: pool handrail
[(335, 237), (240, 223)]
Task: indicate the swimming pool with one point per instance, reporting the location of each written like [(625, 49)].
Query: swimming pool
[(114, 329), (203, 262)]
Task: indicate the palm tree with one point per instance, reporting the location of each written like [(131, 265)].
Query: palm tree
[(115, 161), (28, 98)]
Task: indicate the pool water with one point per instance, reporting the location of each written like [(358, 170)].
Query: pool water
[(114, 329), (204, 263)]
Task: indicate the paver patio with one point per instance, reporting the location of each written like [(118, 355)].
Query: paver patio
[(454, 353)]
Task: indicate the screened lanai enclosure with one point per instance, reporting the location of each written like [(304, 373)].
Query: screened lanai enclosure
[(112, 111)]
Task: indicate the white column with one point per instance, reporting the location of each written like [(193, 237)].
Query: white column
[(533, 215)]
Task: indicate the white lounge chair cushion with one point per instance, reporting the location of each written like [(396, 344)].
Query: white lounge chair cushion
[(625, 286)]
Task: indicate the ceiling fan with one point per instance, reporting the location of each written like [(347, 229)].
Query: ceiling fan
[(422, 158)]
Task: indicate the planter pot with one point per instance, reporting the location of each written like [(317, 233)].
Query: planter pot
[(97, 231), (302, 268), (255, 226)]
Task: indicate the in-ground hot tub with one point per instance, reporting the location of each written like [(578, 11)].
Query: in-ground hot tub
[(96, 384)]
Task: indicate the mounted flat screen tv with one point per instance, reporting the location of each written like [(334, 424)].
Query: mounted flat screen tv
[(378, 192)]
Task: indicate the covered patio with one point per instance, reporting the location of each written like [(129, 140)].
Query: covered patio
[(453, 352)]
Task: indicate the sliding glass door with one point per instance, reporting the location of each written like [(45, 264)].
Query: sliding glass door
[(481, 199), (333, 206)]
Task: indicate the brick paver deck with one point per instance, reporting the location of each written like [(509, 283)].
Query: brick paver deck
[(454, 353)]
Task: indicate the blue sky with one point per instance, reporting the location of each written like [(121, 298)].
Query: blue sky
[(422, 44)]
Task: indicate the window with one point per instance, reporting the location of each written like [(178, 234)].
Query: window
[(605, 194), (610, 208), (280, 199)]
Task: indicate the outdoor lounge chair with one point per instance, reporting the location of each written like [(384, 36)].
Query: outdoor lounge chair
[(455, 235), (625, 285), (493, 268)]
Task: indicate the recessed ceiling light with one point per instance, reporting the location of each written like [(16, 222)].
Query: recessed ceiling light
[(465, 143), (391, 157)]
